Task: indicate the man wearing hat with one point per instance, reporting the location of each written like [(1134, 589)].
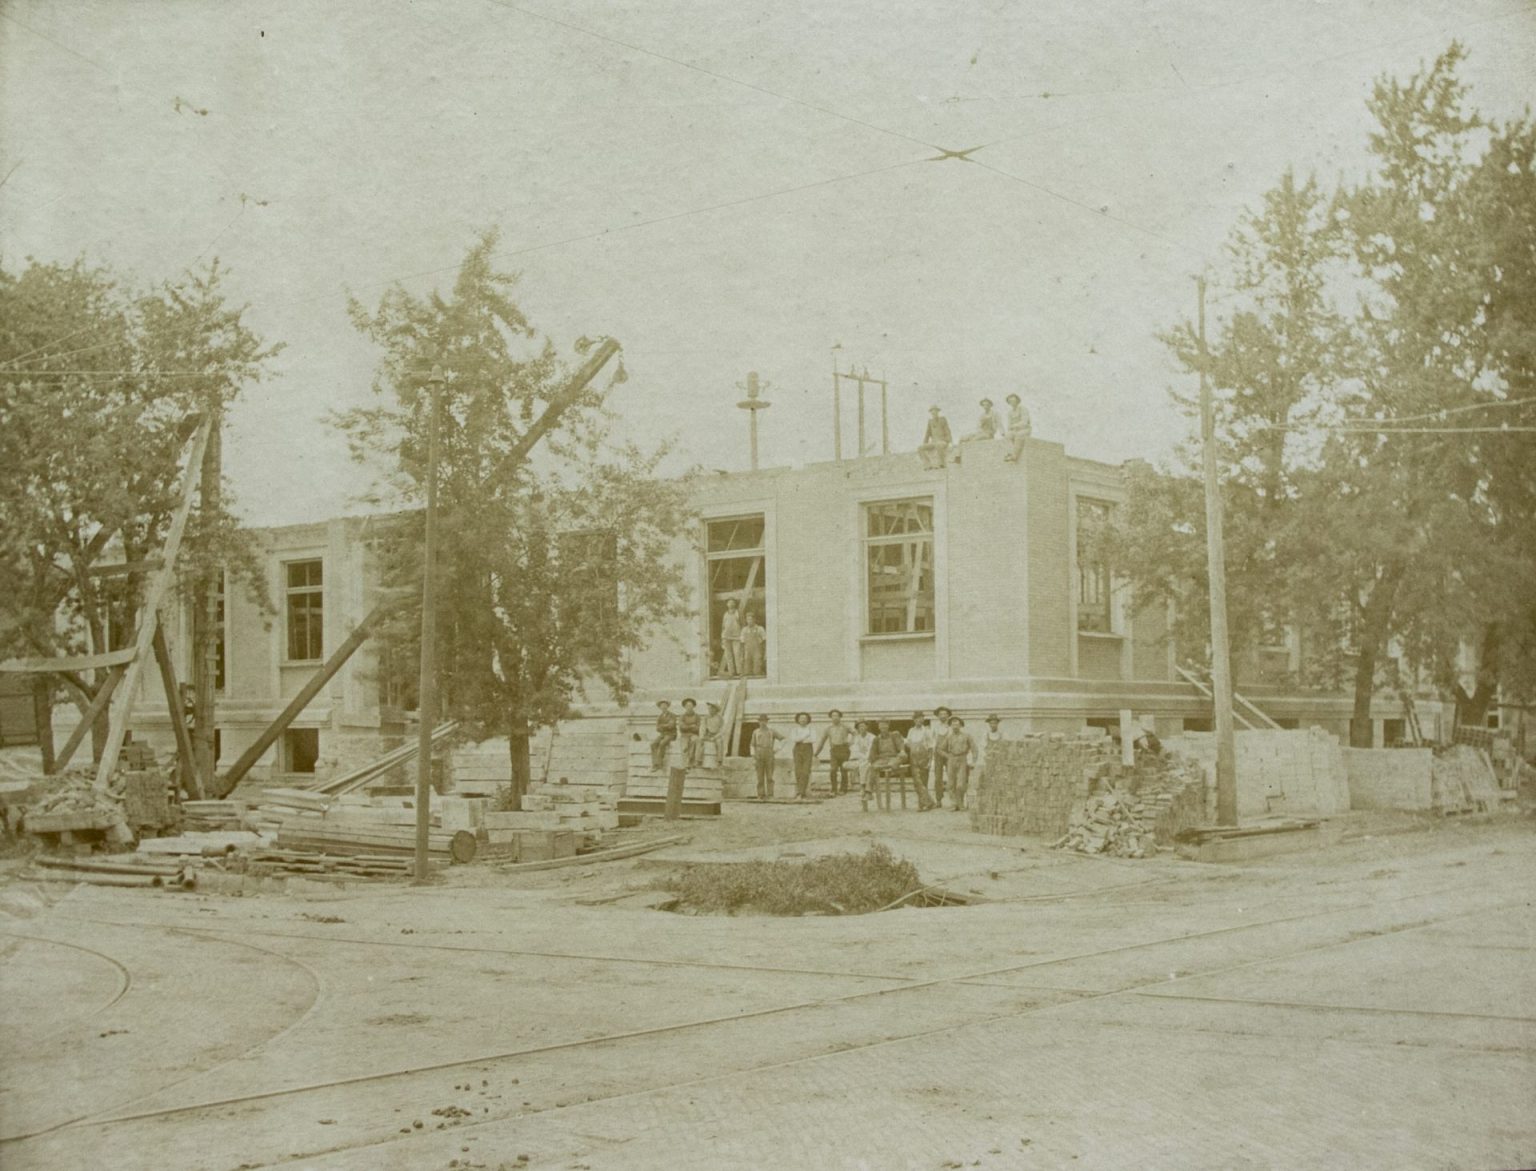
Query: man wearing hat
[(941, 718), (666, 732), (988, 738), (712, 732), (1018, 428), (936, 439), (959, 751), (802, 747), (764, 739), (920, 753), (838, 735), (688, 730), (990, 425)]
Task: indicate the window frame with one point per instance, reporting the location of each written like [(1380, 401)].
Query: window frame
[(1101, 571), (760, 586), (289, 593), (927, 538)]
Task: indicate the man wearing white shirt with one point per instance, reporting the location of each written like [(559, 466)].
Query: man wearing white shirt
[(858, 752), (920, 753)]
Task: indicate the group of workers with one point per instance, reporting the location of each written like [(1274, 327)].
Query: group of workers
[(936, 746), (743, 642), (1015, 429)]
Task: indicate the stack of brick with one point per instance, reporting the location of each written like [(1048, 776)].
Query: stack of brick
[(1031, 786), (1299, 772), (1038, 784), (1110, 822), (148, 790), (1389, 778)]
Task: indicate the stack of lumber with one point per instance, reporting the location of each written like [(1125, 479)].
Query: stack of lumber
[(1112, 822), (317, 864), (702, 785), (213, 815), (279, 805), (345, 836), (212, 844), (580, 808), (380, 767), (116, 871)]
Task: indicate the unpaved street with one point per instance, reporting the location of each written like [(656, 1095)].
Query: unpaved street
[(1367, 1005)]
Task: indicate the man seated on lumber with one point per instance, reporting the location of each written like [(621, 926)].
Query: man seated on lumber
[(887, 756)]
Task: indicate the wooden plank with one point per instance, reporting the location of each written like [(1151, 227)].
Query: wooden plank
[(184, 759), (155, 590), (53, 664), (88, 719), (125, 568)]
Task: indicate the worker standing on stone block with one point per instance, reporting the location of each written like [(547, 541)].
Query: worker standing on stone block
[(959, 751), (840, 739), (764, 739), (711, 733), (666, 732)]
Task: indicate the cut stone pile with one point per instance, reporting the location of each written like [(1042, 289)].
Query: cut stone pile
[(1113, 822)]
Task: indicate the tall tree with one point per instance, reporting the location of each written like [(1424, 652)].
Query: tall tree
[(553, 568), (100, 388), (1369, 323)]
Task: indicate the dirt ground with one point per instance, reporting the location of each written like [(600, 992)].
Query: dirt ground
[(1365, 1004)]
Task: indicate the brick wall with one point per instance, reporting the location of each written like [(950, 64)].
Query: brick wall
[(1389, 778), (1033, 785), (1279, 772)]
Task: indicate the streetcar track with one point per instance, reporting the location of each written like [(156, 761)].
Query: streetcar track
[(907, 986)]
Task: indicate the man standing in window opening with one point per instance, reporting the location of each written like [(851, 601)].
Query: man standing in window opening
[(730, 640), (688, 725), (803, 744), (959, 752), (666, 732), (840, 738), (754, 642), (920, 753), (936, 439), (763, 740), (1019, 428), (941, 717)]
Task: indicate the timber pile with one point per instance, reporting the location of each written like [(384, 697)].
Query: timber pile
[(318, 864), (1113, 822), (199, 816), (123, 870)]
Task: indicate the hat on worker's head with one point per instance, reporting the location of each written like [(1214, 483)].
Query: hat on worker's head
[(763, 719), (834, 714), (934, 410), (807, 716), (690, 702), (918, 717), (663, 703), (953, 720), (994, 719), (714, 707), (986, 402), (1013, 398), (942, 708)]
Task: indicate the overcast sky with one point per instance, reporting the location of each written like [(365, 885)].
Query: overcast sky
[(722, 186)]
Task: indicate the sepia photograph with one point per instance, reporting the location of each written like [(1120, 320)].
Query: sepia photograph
[(610, 586)]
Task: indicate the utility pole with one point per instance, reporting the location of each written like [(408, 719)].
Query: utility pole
[(1221, 661), (205, 613), (752, 404), (426, 702), (885, 421), (837, 408)]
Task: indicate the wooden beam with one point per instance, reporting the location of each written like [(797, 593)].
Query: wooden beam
[(88, 718), (187, 765), (155, 590), (564, 398), (57, 664), (124, 568), (299, 702)]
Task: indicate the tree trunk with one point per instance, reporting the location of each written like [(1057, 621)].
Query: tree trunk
[(518, 745), (1472, 708), (1374, 629), (42, 714)]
